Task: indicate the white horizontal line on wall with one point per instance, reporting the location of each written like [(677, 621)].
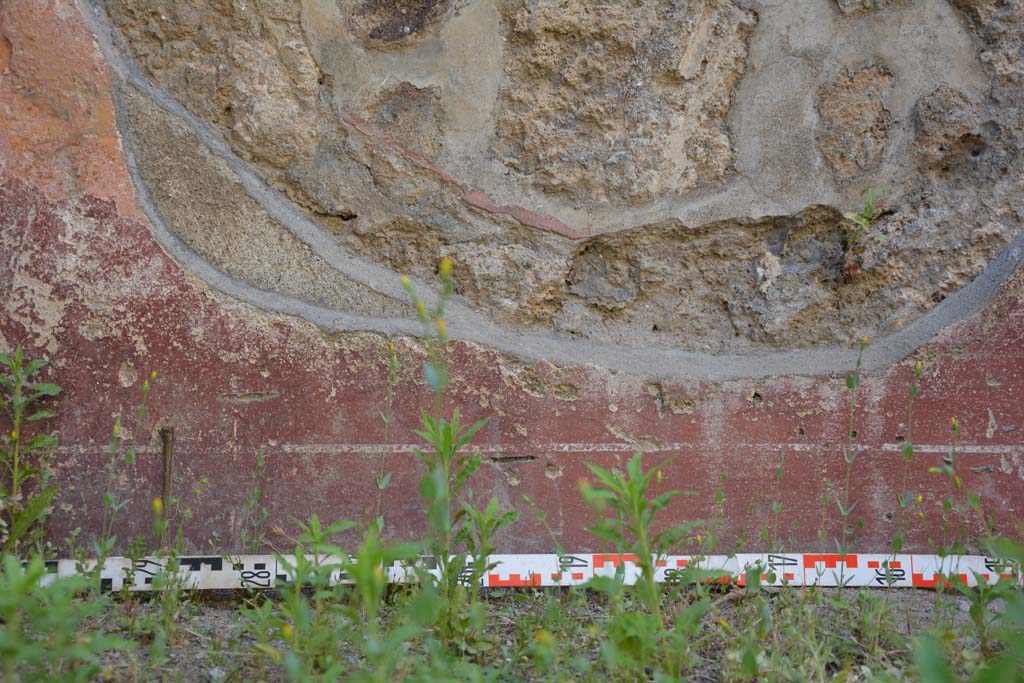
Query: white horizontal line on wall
[(625, 447), (612, 447)]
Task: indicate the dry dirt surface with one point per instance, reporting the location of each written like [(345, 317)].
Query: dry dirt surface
[(210, 644)]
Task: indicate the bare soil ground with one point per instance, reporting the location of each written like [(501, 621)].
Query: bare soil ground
[(209, 642)]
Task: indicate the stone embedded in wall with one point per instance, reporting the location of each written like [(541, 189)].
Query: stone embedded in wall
[(519, 281), (999, 25), (522, 283), (383, 24), (622, 101), (710, 286), (855, 121), (947, 127), (246, 72), (605, 278), (412, 115), (333, 185), (409, 247), (862, 6)]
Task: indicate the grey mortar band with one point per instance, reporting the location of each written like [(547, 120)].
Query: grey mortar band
[(464, 322)]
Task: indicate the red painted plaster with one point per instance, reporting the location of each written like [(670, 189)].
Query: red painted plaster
[(88, 286)]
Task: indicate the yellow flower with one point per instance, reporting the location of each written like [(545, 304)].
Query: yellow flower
[(152, 375), (918, 367), (919, 499), (14, 434), (287, 632), (954, 425), (699, 539), (117, 427), (543, 636), (406, 282), (659, 476), (864, 341), (956, 480), (158, 507), (442, 327), (421, 311), (446, 267), (920, 515), (391, 347), (145, 385)]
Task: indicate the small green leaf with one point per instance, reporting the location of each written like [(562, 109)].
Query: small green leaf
[(844, 511), (33, 367), (41, 441), (436, 377), (748, 662), (36, 510), (46, 389), (930, 661), (470, 432), (42, 414)]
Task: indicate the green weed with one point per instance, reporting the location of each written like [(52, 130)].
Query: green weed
[(122, 450), (44, 635), (25, 493), (850, 452), (255, 514), (444, 487), (859, 224), (640, 639), (387, 416)]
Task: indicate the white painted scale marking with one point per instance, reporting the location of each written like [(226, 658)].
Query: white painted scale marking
[(230, 572)]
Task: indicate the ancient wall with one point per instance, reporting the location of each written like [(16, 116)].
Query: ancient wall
[(643, 200)]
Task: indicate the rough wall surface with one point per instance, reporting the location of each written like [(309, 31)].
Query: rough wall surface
[(540, 144), (644, 205), (620, 101)]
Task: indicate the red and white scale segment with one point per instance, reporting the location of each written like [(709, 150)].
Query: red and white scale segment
[(517, 571)]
